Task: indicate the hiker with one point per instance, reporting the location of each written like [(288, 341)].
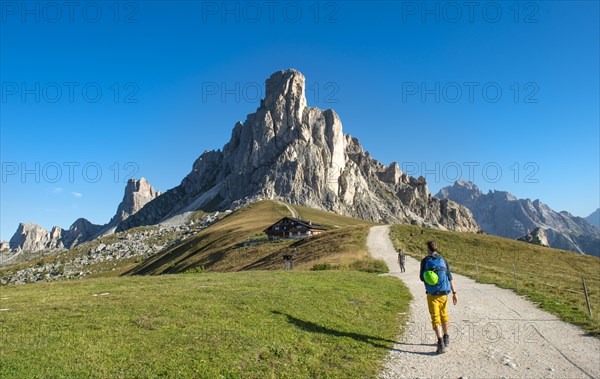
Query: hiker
[(401, 260), (435, 273)]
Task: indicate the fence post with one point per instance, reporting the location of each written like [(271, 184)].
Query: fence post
[(515, 275), (587, 299)]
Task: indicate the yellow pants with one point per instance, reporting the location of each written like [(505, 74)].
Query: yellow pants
[(438, 309)]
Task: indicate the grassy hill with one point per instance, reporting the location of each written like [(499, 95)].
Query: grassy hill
[(234, 243), (237, 243), (258, 324), (549, 277)]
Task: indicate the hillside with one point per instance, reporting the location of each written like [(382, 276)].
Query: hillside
[(219, 242), (237, 243), (253, 325), (549, 277)]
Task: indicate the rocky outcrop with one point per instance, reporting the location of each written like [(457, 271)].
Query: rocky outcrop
[(4, 245), (537, 237), (594, 218), (502, 214), (137, 194), (289, 151), (31, 237)]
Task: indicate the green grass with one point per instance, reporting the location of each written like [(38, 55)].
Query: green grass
[(364, 265), (259, 324), (549, 277)]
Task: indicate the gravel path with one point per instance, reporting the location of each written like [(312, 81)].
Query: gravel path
[(494, 332)]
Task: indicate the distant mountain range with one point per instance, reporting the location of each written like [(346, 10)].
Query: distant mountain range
[(502, 214), (285, 151), (594, 218), (32, 237)]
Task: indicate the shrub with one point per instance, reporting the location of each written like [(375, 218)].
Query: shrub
[(323, 267), (369, 265)]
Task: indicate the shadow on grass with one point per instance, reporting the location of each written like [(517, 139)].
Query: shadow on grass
[(374, 341), (316, 328)]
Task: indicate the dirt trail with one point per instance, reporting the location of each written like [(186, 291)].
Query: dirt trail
[(494, 333), (290, 208)]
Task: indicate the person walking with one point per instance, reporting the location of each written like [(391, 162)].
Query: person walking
[(436, 275), (401, 260)]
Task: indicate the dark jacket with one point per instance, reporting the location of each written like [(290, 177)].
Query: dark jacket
[(401, 257)]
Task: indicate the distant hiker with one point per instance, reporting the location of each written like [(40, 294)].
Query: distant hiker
[(435, 273), (401, 260)]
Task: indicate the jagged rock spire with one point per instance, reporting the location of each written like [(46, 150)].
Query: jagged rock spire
[(289, 151)]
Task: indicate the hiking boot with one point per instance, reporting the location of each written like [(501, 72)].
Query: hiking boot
[(446, 340), (441, 349)]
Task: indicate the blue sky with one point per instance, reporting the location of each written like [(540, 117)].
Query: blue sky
[(503, 93)]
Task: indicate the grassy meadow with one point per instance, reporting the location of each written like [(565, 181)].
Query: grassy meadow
[(255, 324)]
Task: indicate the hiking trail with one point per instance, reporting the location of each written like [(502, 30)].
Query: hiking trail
[(494, 333), (290, 208)]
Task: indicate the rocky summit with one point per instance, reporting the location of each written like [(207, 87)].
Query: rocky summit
[(138, 193), (501, 213), (289, 151), (31, 237)]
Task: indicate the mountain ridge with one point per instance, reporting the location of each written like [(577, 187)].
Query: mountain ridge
[(32, 237), (501, 213)]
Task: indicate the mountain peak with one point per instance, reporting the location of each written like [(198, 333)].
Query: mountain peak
[(467, 184), (462, 191), (285, 88), (137, 194), (299, 154)]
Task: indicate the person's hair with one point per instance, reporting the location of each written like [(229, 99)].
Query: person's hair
[(432, 246)]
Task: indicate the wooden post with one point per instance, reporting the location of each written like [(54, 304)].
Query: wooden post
[(587, 299), (288, 261), (515, 275), (292, 259), (477, 267)]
